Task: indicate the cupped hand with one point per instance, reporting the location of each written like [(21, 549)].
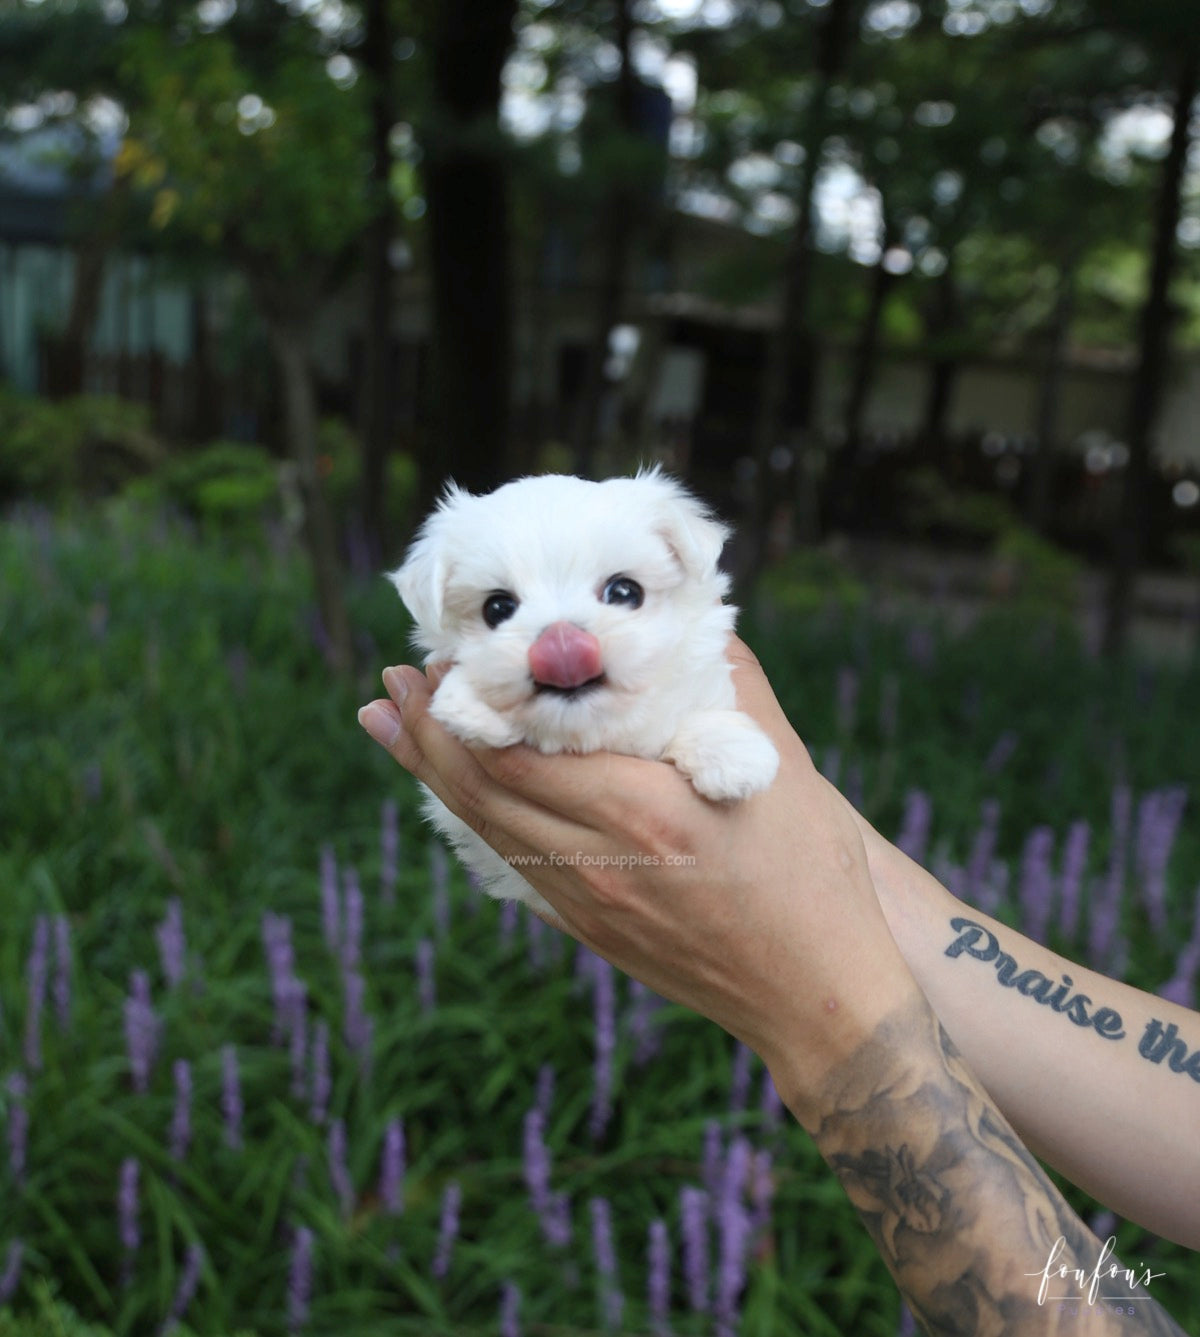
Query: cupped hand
[(760, 915)]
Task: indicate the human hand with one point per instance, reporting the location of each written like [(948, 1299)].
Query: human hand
[(760, 915)]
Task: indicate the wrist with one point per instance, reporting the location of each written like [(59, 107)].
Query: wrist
[(810, 1055)]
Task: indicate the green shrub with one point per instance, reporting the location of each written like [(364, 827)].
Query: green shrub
[(227, 484), (88, 445)]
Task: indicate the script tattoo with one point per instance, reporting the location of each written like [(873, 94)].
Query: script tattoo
[(960, 1211), (1160, 1041)]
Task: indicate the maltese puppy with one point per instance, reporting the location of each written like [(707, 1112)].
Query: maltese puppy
[(579, 616)]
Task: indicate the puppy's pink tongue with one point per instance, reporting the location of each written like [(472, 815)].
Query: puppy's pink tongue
[(565, 655)]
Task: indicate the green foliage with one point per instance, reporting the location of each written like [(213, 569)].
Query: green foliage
[(263, 163), (87, 445), (226, 483), (931, 505), (809, 581), (170, 731), (1036, 572)]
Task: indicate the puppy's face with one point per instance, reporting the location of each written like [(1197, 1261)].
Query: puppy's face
[(561, 601)]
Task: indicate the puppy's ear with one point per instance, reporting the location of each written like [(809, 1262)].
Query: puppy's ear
[(421, 583), (691, 532), (421, 579)]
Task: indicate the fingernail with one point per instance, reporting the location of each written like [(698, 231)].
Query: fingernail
[(397, 688), (381, 723)]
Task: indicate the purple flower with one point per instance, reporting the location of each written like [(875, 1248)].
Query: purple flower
[(339, 1168), (1070, 881), (1036, 888), (982, 852), (913, 839), (693, 1219), (739, 1079), (172, 944), (193, 1260), (713, 1159), (658, 1278), (426, 983), (295, 1025), (389, 850), (612, 1302), (331, 909), (510, 1310), (281, 962), (733, 1234), (642, 1022), (181, 1120), (231, 1097), (544, 1098), (300, 1279), (352, 919), (355, 1027), (62, 971), (908, 1324), (127, 1215), (18, 1125), (1001, 753), (141, 1030), (10, 1278), (321, 1083), (1159, 815), (831, 764), (762, 1192), (36, 970), (439, 883), (391, 1174), (536, 1160), (447, 1229), (605, 1013)]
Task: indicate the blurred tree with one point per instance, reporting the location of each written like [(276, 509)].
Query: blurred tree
[(261, 163), (466, 177)]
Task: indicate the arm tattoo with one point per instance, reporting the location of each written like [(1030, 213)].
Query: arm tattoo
[(1159, 1041), (962, 1214)]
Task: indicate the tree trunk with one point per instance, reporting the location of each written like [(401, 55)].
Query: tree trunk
[(375, 392), (1039, 505), (466, 185), (847, 462), (1150, 375), (616, 244), (785, 404), (943, 372), (320, 537)]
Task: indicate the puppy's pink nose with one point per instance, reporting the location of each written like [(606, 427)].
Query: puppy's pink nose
[(565, 655)]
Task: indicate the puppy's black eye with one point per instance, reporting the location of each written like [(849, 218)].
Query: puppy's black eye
[(622, 590), (498, 607)]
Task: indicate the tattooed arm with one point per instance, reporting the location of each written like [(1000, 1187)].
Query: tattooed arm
[(1100, 1079), (762, 916), (979, 1240)]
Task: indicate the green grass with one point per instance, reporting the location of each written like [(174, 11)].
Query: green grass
[(170, 730)]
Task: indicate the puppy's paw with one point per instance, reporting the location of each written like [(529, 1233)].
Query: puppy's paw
[(724, 754), (468, 718)]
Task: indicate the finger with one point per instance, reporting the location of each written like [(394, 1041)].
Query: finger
[(439, 760), (436, 672), (595, 792)]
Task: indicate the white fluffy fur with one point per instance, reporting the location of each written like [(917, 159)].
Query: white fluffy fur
[(553, 542)]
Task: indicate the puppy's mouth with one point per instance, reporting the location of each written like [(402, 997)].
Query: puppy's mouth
[(570, 693)]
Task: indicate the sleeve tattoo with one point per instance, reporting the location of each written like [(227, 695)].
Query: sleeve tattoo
[(962, 1214)]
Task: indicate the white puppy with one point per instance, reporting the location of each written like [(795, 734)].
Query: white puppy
[(581, 616)]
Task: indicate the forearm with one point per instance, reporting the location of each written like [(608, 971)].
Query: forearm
[(968, 1223), (1087, 1069)]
